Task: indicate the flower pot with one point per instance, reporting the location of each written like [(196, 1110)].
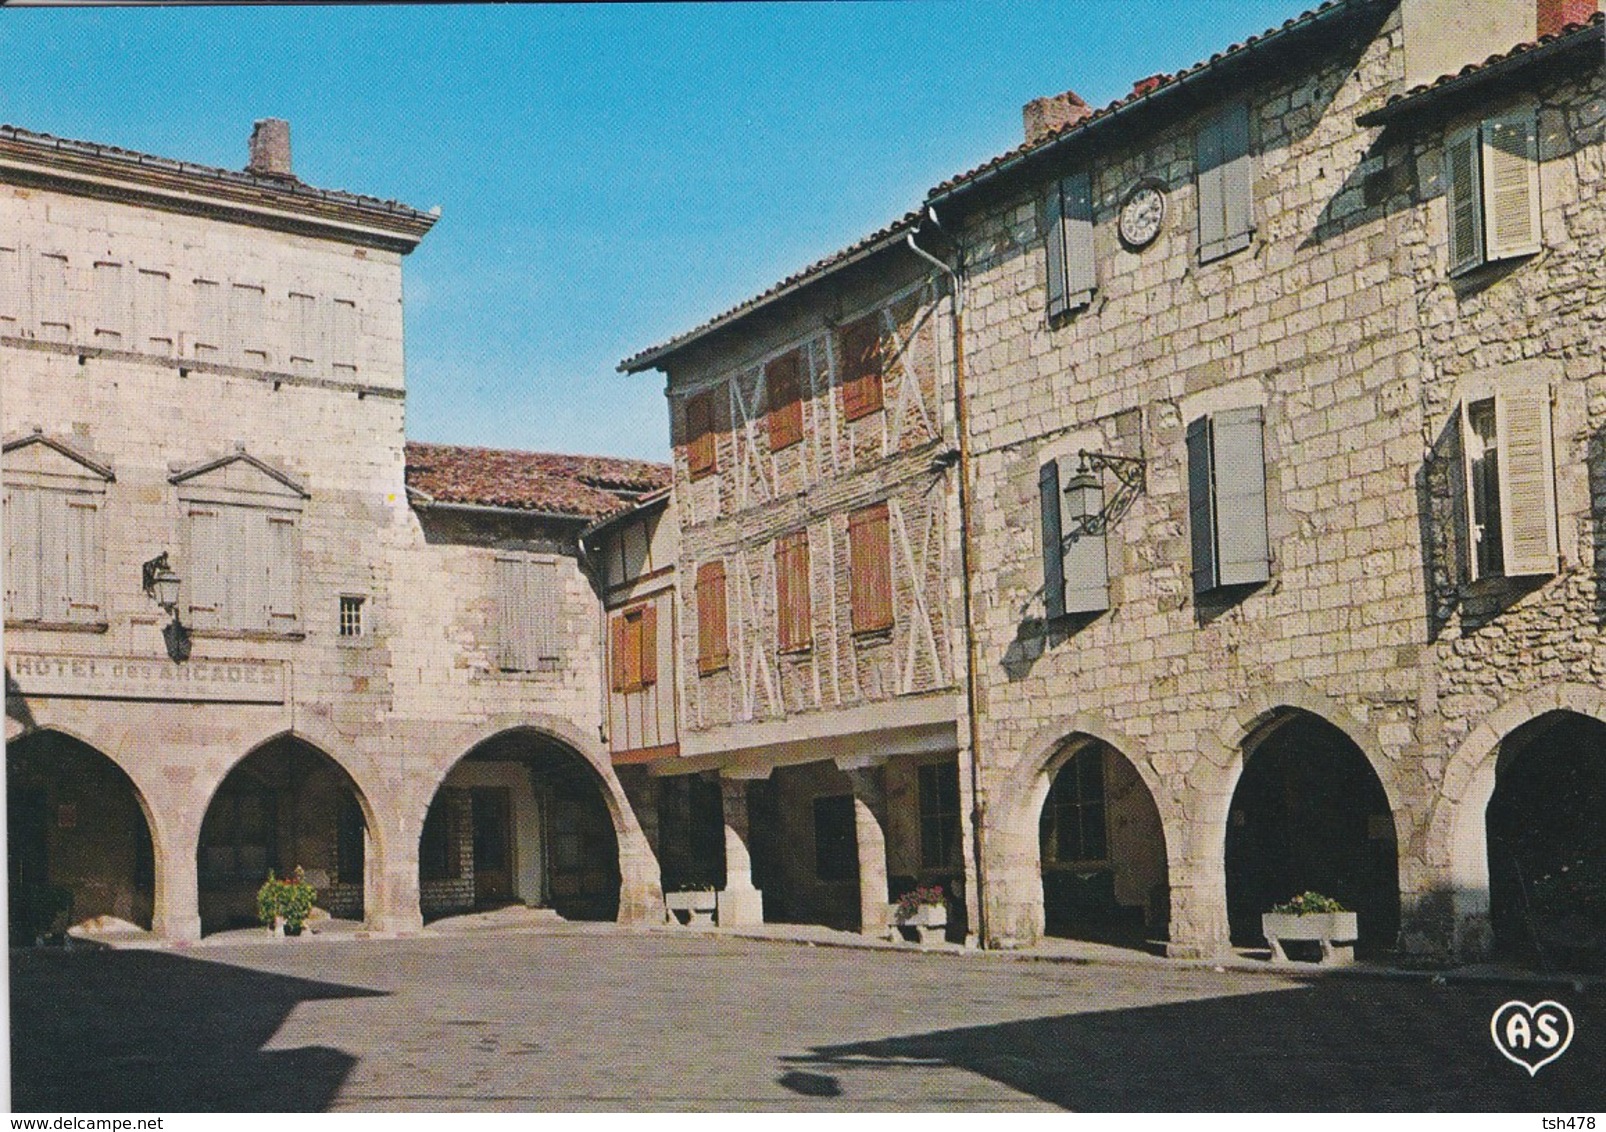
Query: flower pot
[(928, 923), (1330, 930), (697, 906)]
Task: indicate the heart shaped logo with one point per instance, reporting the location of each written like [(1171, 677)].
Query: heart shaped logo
[(1532, 1036)]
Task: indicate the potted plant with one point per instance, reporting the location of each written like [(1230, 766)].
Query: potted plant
[(1310, 917), (697, 903), (923, 908), (284, 904)]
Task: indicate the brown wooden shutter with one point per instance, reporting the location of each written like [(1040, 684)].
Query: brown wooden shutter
[(870, 555), (649, 645), (792, 591), (785, 399), (616, 652), (700, 434), (861, 367), (712, 651)]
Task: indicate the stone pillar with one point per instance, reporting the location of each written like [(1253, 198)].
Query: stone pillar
[(1199, 927), (739, 902), (177, 913), (869, 827), (390, 880)]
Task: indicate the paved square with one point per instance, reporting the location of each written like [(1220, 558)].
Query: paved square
[(608, 1019)]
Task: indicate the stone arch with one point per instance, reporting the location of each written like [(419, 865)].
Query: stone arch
[(282, 804), (95, 794), (638, 892), (1458, 842), (1015, 885)]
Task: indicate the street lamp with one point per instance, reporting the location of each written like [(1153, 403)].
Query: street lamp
[(161, 585), (1084, 500)]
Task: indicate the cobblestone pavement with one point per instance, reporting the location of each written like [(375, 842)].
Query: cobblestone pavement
[(612, 1019)]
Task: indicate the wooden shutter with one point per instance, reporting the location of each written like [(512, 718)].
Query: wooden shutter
[(1511, 186), (81, 593), (861, 367), (1468, 533), (343, 334), (616, 653), (1086, 564), (114, 306), (205, 576), (1238, 467), (1054, 252), (283, 566), (1081, 278), (22, 554), (13, 293), (712, 647), (544, 606), (1225, 183), (1201, 507), (700, 438), (628, 657), (514, 647), (870, 576), (1463, 194), (649, 644), (1527, 482), (792, 591), (785, 400), (1048, 491), (152, 312)]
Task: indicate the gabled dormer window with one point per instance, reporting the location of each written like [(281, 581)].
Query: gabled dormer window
[(55, 493)]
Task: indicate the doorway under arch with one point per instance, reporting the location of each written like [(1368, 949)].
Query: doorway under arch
[(1547, 842), (285, 805), (1102, 851), (1310, 815), (522, 818), (79, 844)]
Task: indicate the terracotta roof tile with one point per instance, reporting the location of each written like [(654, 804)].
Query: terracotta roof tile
[(585, 487)]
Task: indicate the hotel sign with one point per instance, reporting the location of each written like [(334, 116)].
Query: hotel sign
[(145, 678)]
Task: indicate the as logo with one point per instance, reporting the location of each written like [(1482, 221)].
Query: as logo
[(1532, 1036)]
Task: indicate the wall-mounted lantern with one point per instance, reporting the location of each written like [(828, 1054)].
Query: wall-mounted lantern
[(161, 585)]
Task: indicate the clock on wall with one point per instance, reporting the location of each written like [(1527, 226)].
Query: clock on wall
[(1142, 213)]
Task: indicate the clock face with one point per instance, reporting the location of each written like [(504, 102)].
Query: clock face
[(1142, 215)]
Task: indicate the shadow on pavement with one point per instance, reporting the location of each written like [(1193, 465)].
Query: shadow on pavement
[(1332, 1045), (143, 1031)]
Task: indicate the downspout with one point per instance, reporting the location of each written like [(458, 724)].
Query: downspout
[(978, 814)]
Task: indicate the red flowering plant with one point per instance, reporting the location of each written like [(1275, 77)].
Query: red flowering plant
[(921, 896), (289, 898)]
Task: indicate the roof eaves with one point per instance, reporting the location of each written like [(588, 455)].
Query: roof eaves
[(1475, 76), (1122, 108), (871, 245)]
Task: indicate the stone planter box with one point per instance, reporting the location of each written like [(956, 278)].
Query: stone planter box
[(929, 922), (697, 907), (1330, 930)]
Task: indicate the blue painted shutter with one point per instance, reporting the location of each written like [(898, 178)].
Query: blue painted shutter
[(1201, 507), (1048, 489), (1238, 466)]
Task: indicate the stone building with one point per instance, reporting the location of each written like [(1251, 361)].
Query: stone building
[(1279, 466), (815, 642), (381, 660)]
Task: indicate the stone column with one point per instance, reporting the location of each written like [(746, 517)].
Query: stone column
[(739, 902), (869, 827), (177, 913), (390, 878)]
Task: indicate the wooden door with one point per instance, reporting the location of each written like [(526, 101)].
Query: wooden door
[(493, 845)]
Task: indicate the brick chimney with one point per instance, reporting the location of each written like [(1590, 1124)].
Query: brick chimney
[(1045, 116), (270, 149), (1557, 14)]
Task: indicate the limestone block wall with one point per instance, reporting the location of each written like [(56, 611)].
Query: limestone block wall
[(1315, 324)]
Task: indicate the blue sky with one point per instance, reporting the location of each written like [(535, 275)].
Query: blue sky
[(608, 176)]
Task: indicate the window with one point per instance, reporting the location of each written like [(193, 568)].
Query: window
[(440, 855), (792, 607), (1509, 482), (862, 365), (209, 328), (635, 649), (303, 330), (54, 497), (152, 311), (836, 841), (701, 433), (870, 558), (1073, 825), (1076, 572), (239, 836), (713, 649), (113, 303), (1072, 278), (343, 335), (1491, 175), (247, 321), (351, 616), (1225, 182), (243, 564), (1227, 500), (939, 816), (782, 380), (528, 611)]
